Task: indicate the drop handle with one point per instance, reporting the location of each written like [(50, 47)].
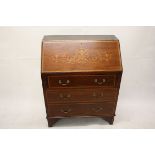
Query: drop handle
[(64, 83), (66, 111), (65, 96), (95, 94), (100, 82), (97, 109)]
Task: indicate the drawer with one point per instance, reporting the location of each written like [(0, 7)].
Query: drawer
[(104, 109), (80, 81), (81, 95)]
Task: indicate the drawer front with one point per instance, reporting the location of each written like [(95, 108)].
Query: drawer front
[(81, 95), (104, 109), (80, 81)]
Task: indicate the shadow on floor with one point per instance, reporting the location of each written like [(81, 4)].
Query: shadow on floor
[(80, 121)]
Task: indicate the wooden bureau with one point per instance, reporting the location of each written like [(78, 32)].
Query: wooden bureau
[(81, 76)]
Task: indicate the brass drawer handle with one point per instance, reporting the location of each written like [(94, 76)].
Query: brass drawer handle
[(100, 82), (97, 109), (66, 111), (64, 84), (64, 96), (95, 94)]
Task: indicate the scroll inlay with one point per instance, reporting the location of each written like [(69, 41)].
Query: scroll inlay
[(82, 57)]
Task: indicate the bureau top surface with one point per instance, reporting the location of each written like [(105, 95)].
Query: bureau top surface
[(78, 37), (80, 53)]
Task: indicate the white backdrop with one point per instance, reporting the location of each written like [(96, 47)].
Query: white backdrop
[(21, 96)]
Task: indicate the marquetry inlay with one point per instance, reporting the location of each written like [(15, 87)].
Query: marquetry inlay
[(82, 56)]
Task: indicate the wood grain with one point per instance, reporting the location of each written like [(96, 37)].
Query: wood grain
[(80, 55), (81, 76)]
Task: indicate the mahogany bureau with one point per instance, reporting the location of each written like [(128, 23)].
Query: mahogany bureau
[(81, 76)]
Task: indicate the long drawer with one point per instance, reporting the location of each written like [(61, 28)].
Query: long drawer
[(59, 110), (81, 95), (82, 81)]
